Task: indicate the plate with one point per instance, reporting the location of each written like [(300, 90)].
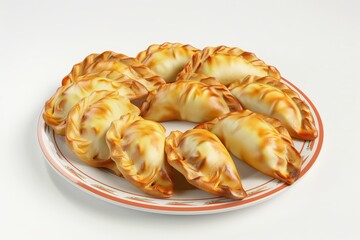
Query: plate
[(187, 200)]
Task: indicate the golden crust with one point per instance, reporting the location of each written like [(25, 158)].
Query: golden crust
[(167, 59), (59, 105), (88, 122), (81, 68), (260, 141), (274, 99), (204, 161), (114, 62), (227, 65), (190, 101), (103, 129), (137, 147)]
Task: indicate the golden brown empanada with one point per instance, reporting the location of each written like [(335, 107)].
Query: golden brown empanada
[(89, 120), (167, 59), (115, 75), (114, 62), (260, 141), (190, 101), (204, 161), (274, 99), (59, 105), (85, 66), (137, 147), (227, 65)]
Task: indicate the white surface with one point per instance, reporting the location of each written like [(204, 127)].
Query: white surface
[(315, 44)]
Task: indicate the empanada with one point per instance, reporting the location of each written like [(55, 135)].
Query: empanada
[(204, 161), (149, 84), (89, 120), (167, 59), (191, 101), (137, 147), (274, 99), (260, 141), (59, 105), (227, 65), (85, 66), (114, 62)]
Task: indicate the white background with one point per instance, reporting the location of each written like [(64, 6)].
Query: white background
[(314, 44)]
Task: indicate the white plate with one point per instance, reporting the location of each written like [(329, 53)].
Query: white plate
[(101, 183)]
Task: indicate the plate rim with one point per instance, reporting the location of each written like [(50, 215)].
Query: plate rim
[(173, 209)]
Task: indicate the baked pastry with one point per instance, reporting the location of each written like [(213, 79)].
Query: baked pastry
[(167, 59), (137, 147), (274, 99), (114, 62), (227, 65), (179, 82), (204, 161), (260, 141), (191, 101), (150, 83), (88, 122), (59, 105)]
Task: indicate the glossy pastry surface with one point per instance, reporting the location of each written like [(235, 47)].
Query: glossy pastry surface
[(189, 101), (89, 120), (66, 97), (167, 59), (137, 147), (204, 161), (115, 63), (274, 99), (227, 65), (260, 141)]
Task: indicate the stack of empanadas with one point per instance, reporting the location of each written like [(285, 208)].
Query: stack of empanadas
[(238, 101)]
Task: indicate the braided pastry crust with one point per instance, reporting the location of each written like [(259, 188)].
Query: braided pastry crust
[(227, 65), (204, 161), (270, 97), (260, 141), (113, 62), (190, 101), (59, 105), (167, 59), (89, 120), (137, 148)]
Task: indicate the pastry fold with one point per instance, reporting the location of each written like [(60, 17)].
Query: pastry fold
[(137, 147), (110, 62), (274, 99), (89, 120), (260, 141), (67, 96), (227, 65), (191, 101), (167, 59), (205, 163)]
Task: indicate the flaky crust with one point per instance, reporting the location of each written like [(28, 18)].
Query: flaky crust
[(167, 59), (114, 62), (273, 98), (204, 161), (88, 122), (189, 101), (174, 81), (59, 105), (137, 147), (227, 65), (82, 67), (260, 141)]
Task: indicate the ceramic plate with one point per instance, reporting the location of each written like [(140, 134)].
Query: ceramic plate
[(187, 200)]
